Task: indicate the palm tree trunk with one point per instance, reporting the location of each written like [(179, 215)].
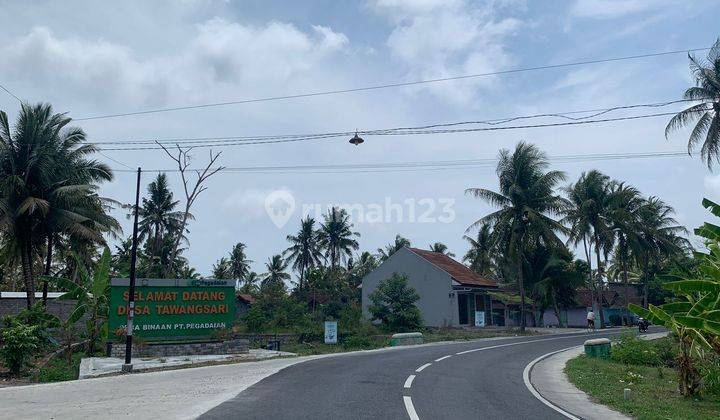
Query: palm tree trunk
[(556, 309), (26, 262), (48, 266), (645, 280), (625, 320), (588, 256), (599, 283), (521, 285), (302, 277)]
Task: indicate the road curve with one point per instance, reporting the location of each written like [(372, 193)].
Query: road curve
[(481, 379)]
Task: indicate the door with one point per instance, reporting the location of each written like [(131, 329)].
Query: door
[(463, 309)]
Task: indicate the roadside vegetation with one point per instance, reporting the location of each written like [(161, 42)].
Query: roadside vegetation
[(648, 369), (57, 234)]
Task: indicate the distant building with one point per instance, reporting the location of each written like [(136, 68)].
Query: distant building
[(243, 303), (615, 298), (450, 293)]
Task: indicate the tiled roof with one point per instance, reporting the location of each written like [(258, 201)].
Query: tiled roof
[(459, 272), (245, 297)]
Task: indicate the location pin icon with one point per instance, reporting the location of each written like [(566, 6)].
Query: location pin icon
[(280, 205)]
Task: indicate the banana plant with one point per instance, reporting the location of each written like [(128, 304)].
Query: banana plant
[(92, 295), (695, 315)]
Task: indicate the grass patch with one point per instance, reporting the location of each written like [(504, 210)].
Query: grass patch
[(311, 348), (654, 390), (369, 342), (60, 370)]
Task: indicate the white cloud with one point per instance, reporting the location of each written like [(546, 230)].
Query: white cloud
[(712, 184), (249, 204), (610, 9), (436, 39), (219, 53)]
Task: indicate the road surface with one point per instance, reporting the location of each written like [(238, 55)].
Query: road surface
[(471, 380)]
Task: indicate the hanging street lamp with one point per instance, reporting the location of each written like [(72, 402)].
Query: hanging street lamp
[(356, 140)]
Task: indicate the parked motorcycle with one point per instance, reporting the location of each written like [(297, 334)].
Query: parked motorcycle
[(643, 325)]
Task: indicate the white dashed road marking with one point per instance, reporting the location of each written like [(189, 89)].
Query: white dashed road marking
[(408, 382), (410, 408), (420, 369)]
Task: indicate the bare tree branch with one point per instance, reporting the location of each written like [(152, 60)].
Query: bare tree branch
[(183, 160)]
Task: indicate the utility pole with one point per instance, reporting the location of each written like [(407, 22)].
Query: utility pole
[(127, 367)]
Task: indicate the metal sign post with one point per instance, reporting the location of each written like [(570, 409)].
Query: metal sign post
[(127, 367)]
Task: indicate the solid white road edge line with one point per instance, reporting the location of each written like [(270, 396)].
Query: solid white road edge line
[(410, 408), (443, 358), (420, 369), (409, 381), (536, 394)]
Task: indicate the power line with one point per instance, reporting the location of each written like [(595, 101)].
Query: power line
[(403, 133), (114, 160), (10, 93), (566, 115), (428, 165), (390, 85)]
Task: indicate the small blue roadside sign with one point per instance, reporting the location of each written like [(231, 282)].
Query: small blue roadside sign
[(330, 332), (479, 318)]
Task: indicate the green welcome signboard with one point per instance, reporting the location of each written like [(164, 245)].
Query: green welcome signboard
[(170, 309)]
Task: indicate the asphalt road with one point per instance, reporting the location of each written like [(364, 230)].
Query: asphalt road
[(486, 382)]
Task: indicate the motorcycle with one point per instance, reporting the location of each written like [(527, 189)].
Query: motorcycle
[(643, 325)]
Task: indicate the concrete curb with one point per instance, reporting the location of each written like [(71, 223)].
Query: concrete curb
[(546, 379)]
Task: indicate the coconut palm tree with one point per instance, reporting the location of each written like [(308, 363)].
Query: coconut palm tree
[(222, 269), (479, 256), (184, 271), (394, 247), (706, 113), (336, 237), (239, 263), (585, 214), (441, 248), (659, 237), (47, 187), (526, 201), (621, 214), (250, 283), (158, 216), (275, 276), (304, 251)]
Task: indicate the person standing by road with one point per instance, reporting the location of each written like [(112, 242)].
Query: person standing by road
[(591, 319)]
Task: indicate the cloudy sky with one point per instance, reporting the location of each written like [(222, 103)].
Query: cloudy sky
[(96, 58)]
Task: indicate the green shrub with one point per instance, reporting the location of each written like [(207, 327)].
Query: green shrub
[(667, 350), (350, 318), (60, 370), (35, 316), (633, 351), (255, 319), (358, 342), (20, 342), (710, 373), (393, 303)]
